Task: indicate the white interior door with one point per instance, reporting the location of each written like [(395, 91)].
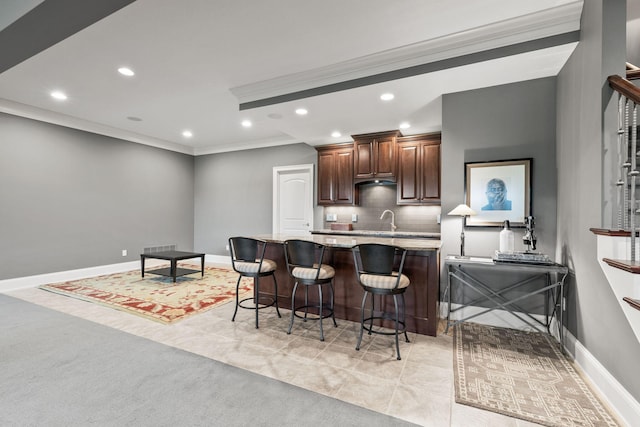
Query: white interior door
[(292, 200)]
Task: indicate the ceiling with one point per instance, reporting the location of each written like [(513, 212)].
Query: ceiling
[(206, 65)]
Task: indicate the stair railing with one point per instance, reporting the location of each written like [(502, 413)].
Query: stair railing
[(628, 100), (632, 72)]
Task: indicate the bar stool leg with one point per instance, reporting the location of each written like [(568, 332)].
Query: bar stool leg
[(293, 306), (321, 314), (373, 310), (276, 294), (395, 304), (237, 299), (333, 313), (364, 301), (256, 298), (306, 302), (404, 319)]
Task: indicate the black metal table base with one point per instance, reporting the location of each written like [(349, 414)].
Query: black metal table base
[(173, 257), (462, 271)]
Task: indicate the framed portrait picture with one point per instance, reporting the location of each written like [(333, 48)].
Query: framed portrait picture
[(498, 191)]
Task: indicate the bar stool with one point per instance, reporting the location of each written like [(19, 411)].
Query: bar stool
[(247, 259), (304, 263), (374, 268)]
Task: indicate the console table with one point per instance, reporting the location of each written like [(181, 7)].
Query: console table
[(465, 272), (173, 257)]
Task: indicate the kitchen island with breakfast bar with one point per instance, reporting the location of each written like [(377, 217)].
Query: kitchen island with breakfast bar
[(422, 266)]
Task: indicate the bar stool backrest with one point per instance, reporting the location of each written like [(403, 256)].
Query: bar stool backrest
[(246, 249), (302, 253), (377, 258)]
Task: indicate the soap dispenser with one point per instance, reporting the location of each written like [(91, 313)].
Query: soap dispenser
[(506, 238)]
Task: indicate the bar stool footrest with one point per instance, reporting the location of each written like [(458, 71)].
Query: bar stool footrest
[(315, 316), (270, 302), (366, 327)]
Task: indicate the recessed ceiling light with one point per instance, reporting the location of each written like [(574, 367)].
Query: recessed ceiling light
[(275, 116), (134, 119), (187, 134), (387, 96), (59, 95), (126, 71), (301, 111), (247, 123), (336, 134), (405, 125)]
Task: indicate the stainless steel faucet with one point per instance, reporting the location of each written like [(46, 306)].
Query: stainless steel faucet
[(393, 218)]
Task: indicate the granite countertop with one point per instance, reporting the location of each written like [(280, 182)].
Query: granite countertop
[(342, 241), (379, 233)]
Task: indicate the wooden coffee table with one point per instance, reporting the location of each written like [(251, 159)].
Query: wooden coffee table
[(173, 257)]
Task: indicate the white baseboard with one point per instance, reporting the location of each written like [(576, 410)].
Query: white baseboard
[(63, 276), (82, 273), (218, 259), (607, 387)]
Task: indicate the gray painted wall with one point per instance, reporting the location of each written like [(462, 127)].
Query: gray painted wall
[(505, 122), (234, 193), (513, 121), (595, 317), (71, 199), (633, 32)]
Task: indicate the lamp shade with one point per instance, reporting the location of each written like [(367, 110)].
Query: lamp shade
[(462, 210)]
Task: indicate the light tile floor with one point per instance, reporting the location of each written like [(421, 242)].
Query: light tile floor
[(418, 388)]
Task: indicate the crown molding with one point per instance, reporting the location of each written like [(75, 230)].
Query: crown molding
[(244, 145), (538, 25), (35, 113), (42, 115)]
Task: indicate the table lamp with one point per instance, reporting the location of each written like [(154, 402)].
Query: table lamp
[(462, 211)]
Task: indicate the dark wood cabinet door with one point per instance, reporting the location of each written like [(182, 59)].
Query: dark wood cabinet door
[(408, 173), (419, 169), (326, 173), (430, 173), (385, 158), (335, 176), (375, 156), (344, 188), (364, 159)]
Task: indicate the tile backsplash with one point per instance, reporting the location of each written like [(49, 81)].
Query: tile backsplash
[(374, 199)]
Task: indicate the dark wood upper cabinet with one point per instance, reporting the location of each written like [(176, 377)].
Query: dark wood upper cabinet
[(419, 169), (335, 175), (375, 156)]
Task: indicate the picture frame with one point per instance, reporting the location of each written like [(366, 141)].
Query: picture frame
[(498, 191)]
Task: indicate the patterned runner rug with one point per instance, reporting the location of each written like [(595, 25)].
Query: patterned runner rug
[(522, 375), (157, 297)]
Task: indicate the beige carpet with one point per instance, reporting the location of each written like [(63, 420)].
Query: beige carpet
[(523, 375), (157, 297)]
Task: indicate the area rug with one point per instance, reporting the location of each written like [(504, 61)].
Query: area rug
[(157, 297), (522, 375)]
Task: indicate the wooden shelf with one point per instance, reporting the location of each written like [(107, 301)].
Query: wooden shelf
[(608, 232), (624, 264)]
